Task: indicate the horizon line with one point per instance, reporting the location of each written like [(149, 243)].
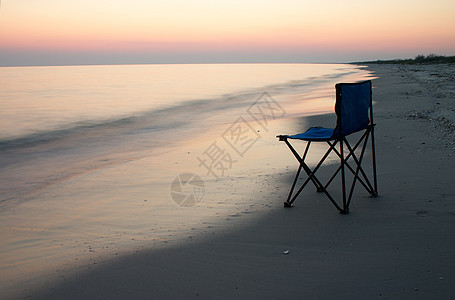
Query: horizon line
[(162, 63)]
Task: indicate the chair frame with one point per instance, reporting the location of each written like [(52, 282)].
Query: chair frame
[(341, 140)]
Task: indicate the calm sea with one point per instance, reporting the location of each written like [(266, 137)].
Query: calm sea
[(44, 99), (88, 154), (59, 118)]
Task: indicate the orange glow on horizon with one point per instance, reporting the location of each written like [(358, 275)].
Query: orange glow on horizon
[(272, 41), (142, 26)]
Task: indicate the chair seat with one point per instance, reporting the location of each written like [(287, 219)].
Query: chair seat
[(315, 134)]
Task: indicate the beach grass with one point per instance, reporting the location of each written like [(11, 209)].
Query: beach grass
[(419, 59)]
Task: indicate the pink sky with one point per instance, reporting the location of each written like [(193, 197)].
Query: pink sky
[(51, 32)]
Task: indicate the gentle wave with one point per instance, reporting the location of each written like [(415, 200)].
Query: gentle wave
[(171, 117), (33, 162), (167, 118)]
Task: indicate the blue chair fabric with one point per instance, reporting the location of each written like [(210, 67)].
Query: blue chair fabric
[(354, 112)]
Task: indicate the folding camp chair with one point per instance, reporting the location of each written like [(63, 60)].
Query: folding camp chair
[(354, 111)]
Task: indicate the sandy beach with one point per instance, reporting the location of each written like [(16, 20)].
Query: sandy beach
[(397, 246)]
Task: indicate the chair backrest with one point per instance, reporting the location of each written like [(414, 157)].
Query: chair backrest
[(353, 107)]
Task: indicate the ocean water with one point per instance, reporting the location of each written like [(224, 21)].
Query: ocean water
[(58, 121), (36, 100), (88, 155)]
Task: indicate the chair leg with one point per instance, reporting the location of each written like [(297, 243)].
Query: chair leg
[(344, 155), (301, 160), (358, 168), (373, 154), (345, 209), (367, 185), (288, 203), (311, 175), (319, 188), (365, 182)]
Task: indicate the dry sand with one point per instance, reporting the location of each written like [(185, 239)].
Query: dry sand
[(397, 246)]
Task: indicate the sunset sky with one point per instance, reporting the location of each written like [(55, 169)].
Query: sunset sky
[(53, 32)]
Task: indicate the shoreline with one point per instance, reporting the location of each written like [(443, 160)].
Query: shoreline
[(73, 202), (394, 246)]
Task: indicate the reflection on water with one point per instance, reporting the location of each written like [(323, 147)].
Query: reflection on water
[(49, 98)]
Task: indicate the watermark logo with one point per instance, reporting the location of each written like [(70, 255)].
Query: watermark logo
[(187, 189), (216, 160), (240, 136)]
